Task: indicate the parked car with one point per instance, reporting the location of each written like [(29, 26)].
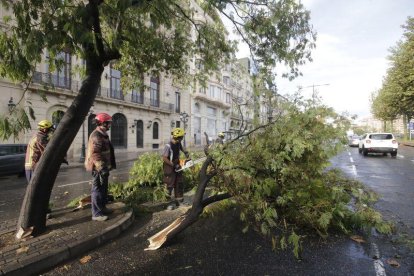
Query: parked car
[(353, 141), (378, 143), (12, 158)]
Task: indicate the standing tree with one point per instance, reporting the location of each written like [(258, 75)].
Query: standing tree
[(138, 36), (396, 96)]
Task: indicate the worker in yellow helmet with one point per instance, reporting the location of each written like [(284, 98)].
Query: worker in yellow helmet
[(220, 138), (170, 157), (37, 146)]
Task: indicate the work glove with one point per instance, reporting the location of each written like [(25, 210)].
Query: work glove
[(104, 172), (187, 155)]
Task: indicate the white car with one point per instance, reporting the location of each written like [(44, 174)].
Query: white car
[(353, 141), (378, 143)]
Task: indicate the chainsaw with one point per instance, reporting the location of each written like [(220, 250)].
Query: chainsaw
[(190, 163)]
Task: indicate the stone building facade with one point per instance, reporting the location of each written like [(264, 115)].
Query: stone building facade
[(142, 120)]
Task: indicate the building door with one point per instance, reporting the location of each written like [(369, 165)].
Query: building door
[(91, 124), (140, 134), (119, 131)]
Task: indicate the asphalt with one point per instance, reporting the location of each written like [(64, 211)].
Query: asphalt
[(69, 234)]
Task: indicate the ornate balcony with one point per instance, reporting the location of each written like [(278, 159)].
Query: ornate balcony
[(73, 86)]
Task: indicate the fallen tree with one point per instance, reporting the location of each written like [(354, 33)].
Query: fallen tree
[(277, 175)]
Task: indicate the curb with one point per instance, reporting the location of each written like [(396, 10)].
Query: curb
[(41, 263)]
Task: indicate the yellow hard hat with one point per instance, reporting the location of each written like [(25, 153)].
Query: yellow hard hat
[(221, 134), (44, 124), (177, 132)]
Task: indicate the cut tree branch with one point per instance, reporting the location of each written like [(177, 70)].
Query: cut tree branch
[(215, 198)]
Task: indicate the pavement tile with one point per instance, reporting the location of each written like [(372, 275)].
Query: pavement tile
[(69, 235)]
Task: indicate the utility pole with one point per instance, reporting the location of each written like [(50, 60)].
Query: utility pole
[(313, 88)]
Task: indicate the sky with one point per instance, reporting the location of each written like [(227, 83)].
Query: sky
[(350, 58)]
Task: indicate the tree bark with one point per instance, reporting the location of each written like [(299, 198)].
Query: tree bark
[(192, 215), (33, 211), (32, 218)]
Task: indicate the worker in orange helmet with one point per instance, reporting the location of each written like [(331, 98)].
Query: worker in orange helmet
[(100, 159)]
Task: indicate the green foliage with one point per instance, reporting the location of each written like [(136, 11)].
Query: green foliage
[(279, 177), (152, 37), (395, 97), (12, 126), (146, 171), (145, 180)]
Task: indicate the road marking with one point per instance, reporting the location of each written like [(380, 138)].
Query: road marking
[(350, 159), (349, 153), (379, 177), (379, 268), (401, 156), (72, 184), (354, 170)]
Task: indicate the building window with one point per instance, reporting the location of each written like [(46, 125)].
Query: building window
[(226, 80), (137, 96), (140, 134), (211, 91), (199, 64), (116, 92), (61, 77), (211, 111), (228, 98), (211, 126), (119, 131), (57, 117), (155, 91), (155, 132), (177, 123), (177, 102)]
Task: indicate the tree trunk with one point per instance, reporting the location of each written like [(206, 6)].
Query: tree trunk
[(192, 215), (405, 126), (32, 218)]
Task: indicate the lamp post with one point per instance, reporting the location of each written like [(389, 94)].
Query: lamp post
[(11, 105), (184, 118), (83, 149)]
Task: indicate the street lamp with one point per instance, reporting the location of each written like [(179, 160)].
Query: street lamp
[(184, 118), (83, 149), (11, 105)]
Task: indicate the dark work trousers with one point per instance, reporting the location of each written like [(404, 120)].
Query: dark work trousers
[(99, 193)]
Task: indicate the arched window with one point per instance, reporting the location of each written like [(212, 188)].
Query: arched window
[(119, 131), (57, 117), (140, 134), (155, 131)]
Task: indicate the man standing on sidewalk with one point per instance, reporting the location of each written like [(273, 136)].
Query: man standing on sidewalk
[(170, 157), (100, 159)]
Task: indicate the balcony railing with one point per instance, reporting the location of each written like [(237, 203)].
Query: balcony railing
[(104, 92)]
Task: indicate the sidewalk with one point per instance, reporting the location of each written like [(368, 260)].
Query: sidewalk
[(407, 143), (69, 234)]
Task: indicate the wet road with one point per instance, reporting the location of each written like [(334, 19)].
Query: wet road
[(217, 246), (391, 178), (70, 183)]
